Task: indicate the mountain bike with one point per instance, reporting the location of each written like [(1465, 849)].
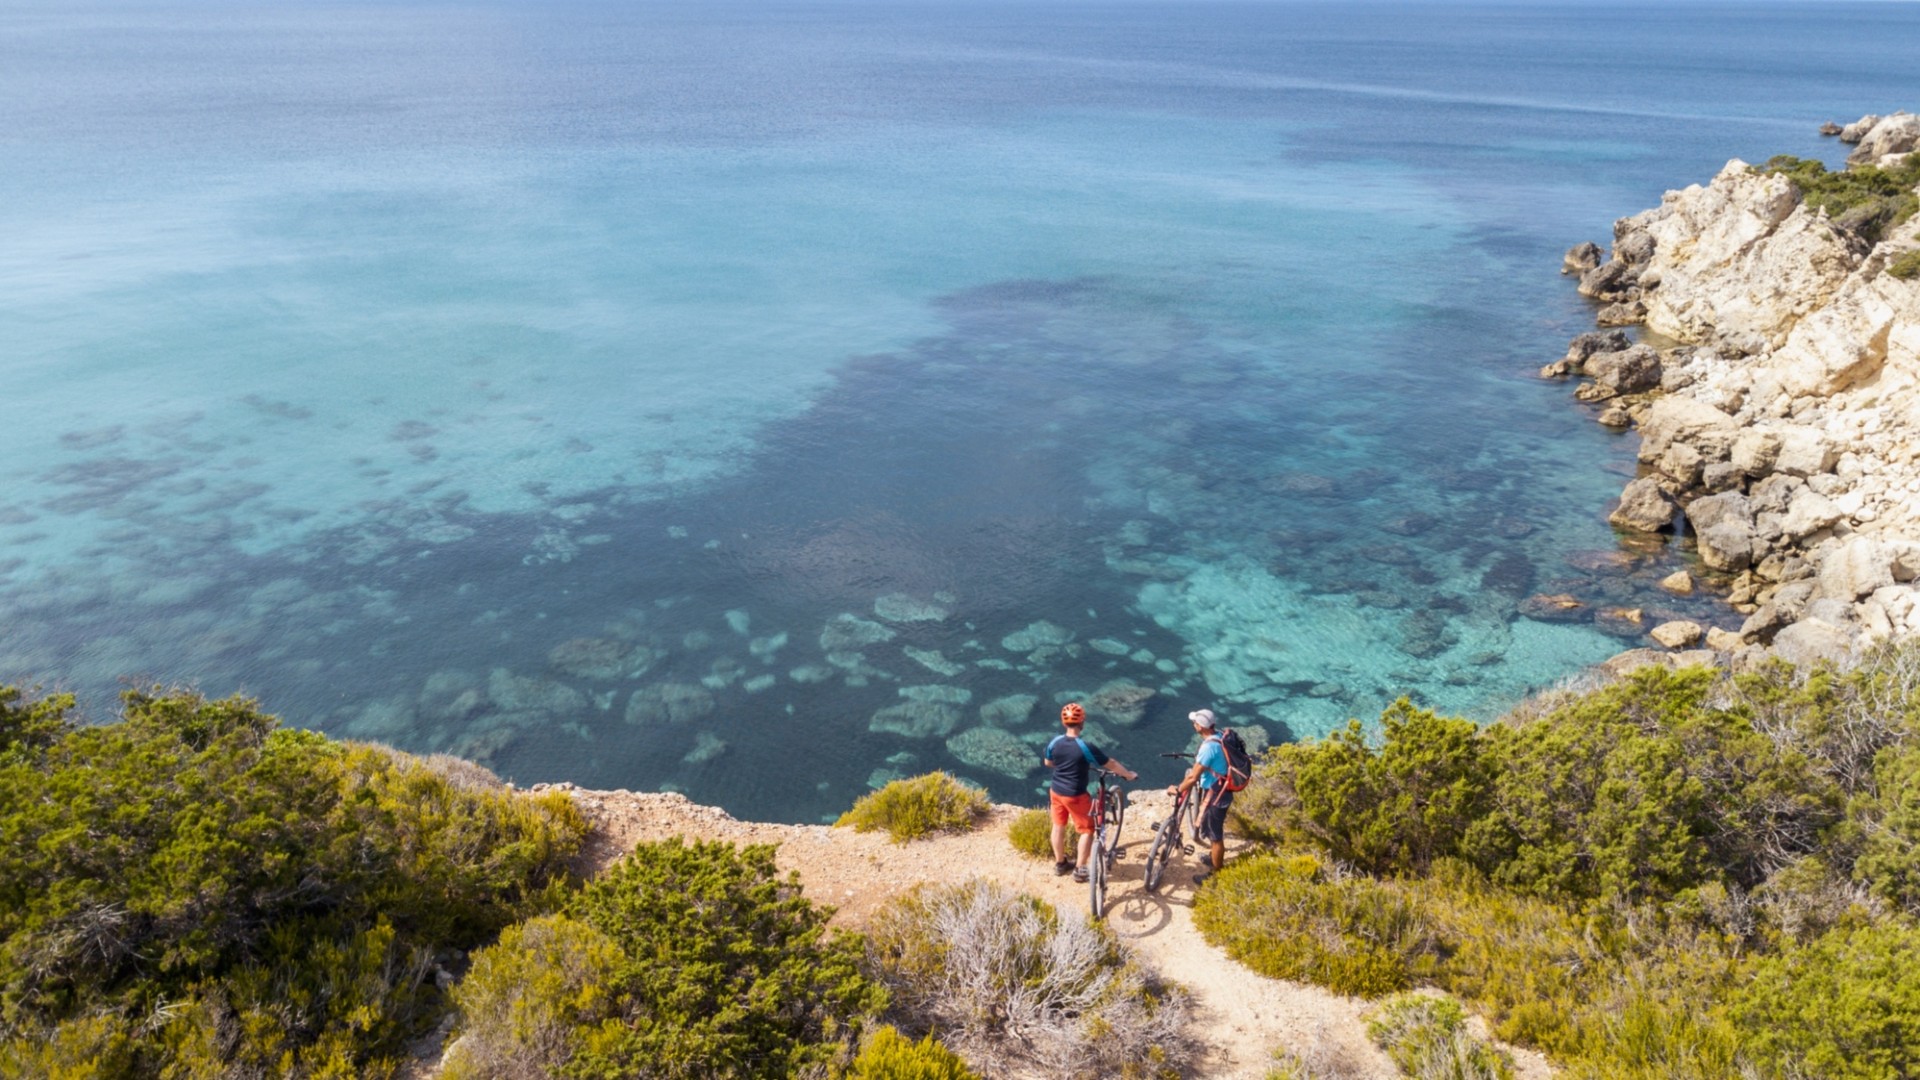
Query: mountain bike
[(1109, 812), (1186, 814)]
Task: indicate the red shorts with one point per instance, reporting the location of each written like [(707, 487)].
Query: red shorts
[(1078, 808)]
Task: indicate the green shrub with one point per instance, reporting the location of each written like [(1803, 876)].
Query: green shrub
[(889, 1055), (725, 969), (1867, 200), (1287, 918), (1014, 986), (534, 999), (1389, 806), (243, 893), (1846, 1006), (1906, 267), (1032, 834), (1889, 819), (1427, 1037), (910, 809)]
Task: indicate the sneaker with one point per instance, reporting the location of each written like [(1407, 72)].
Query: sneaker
[(1063, 867), (1080, 875), (1200, 878)]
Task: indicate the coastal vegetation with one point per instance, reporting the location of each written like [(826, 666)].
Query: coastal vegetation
[(682, 960), (1865, 200), (193, 890), (1011, 982), (918, 806), (1680, 874), (1906, 267), (1032, 834)]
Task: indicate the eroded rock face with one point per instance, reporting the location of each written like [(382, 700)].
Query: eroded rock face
[(1740, 260), (1897, 133), (1787, 423)]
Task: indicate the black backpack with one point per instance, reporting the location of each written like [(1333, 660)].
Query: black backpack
[(1239, 762)]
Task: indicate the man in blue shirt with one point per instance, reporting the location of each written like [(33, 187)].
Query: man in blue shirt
[(1073, 760), (1209, 771)]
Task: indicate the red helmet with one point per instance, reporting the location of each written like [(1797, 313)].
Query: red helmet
[(1072, 713)]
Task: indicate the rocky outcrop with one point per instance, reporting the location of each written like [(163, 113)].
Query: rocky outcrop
[(1886, 136), (1781, 414)]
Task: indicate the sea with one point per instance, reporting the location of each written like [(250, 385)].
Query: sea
[(765, 399)]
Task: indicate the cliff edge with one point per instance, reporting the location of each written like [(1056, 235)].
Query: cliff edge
[(1776, 390)]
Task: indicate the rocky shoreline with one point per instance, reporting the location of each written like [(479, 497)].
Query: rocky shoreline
[(1776, 389)]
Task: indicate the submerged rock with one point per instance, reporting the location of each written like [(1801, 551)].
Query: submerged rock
[(1557, 608), (847, 633), (601, 659), (1123, 702), (1010, 711), (1037, 635), (515, 693), (916, 719), (706, 747), (933, 661), (675, 703), (995, 750), (902, 608)]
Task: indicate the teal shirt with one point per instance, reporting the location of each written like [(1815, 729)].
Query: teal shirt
[(1214, 757)]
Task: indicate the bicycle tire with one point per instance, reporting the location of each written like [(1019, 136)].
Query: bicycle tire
[(1118, 815), (1161, 853), (1097, 880)]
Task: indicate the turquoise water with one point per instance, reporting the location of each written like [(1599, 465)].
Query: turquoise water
[(761, 399)]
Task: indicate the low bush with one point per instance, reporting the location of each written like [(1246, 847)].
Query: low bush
[(725, 969), (1906, 267), (1008, 981), (889, 1055), (1426, 1035), (533, 1000), (920, 806), (1866, 200), (194, 889), (1291, 918), (1845, 1006), (1032, 834)]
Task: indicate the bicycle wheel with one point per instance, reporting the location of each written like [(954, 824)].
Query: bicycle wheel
[(1097, 879), (1116, 813), (1196, 808), (1164, 845)]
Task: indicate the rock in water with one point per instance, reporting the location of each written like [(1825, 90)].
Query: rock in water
[(1679, 582), (1035, 636), (675, 703), (1123, 702), (1677, 634), (916, 719), (1557, 608), (1009, 711), (995, 750), (1644, 507), (1581, 258), (849, 633), (902, 608)]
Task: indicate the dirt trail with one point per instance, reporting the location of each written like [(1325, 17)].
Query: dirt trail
[(1243, 1017)]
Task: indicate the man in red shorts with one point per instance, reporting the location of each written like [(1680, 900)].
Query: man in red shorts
[(1073, 760)]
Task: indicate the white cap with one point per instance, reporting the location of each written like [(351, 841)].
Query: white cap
[(1203, 717)]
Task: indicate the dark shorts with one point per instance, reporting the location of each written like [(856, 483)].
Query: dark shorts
[(1213, 818)]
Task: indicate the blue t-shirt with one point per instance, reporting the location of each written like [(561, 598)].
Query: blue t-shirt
[(1070, 766), (1214, 757)]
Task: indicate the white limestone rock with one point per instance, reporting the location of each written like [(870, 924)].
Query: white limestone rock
[(1740, 260), (1896, 133)]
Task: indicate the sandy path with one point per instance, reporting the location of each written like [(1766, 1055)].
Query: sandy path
[(1244, 1016)]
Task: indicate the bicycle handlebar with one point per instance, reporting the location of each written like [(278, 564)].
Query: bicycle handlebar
[(1189, 757)]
